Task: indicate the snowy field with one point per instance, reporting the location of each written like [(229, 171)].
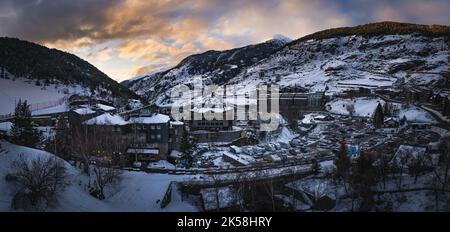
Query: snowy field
[(137, 191), (416, 115), (364, 107)]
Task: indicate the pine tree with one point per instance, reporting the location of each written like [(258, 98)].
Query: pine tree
[(378, 116), (23, 131), (186, 148)]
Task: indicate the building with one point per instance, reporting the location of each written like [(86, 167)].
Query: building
[(216, 130), (417, 94), (441, 102), (155, 129), (79, 115), (295, 105), (146, 137), (176, 134)]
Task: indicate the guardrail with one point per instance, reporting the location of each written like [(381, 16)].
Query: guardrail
[(37, 106), (257, 167)]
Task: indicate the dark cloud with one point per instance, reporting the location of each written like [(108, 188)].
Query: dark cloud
[(48, 20)]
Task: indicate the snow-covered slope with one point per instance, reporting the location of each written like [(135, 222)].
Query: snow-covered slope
[(13, 89), (47, 68), (374, 55), (137, 191)]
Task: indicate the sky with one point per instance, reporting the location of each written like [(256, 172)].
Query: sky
[(125, 38)]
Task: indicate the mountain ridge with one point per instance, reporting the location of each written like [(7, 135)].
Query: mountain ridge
[(354, 55), (34, 61)]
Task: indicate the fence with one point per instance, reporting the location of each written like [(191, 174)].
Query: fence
[(48, 104), (38, 106)]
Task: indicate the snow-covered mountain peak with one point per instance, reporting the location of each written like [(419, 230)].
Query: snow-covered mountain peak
[(281, 38)]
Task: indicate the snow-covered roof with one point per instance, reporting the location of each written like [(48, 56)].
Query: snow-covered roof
[(236, 158), (393, 119), (84, 111), (105, 107), (155, 119), (176, 123), (143, 151), (51, 110), (162, 164), (106, 119), (176, 154)]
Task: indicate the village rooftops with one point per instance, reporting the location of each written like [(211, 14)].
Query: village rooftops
[(84, 111), (155, 119), (105, 108), (106, 119)]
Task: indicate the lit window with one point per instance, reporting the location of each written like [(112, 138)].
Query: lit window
[(158, 136)]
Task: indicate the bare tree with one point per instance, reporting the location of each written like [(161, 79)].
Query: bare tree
[(216, 182), (80, 145), (104, 177), (383, 168), (40, 181)]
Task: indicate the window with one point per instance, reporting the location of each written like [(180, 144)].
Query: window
[(158, 136), (152, 127), (152, 136), (158, 127)]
